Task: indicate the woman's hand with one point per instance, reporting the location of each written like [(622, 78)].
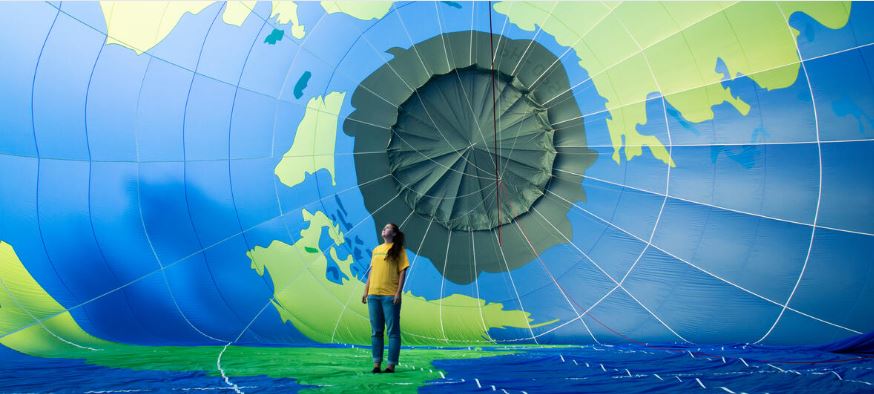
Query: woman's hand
[(364, 298), (397, 299)]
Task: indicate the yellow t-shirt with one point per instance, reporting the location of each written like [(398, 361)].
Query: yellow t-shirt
[(384, 274)]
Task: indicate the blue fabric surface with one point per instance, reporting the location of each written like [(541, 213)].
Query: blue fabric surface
[(660, 368), (862, 344), (597, 368)]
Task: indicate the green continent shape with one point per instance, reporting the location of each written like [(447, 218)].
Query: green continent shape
[(23, 303), (329, 312), (286, 12), (140, 25), (313, 146), (33, 323), (632, 50), (364, 10)]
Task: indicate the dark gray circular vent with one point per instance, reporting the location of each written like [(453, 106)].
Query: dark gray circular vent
[(442, 150), (425, 144)]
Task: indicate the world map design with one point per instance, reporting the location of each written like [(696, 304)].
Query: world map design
[(210, 173)]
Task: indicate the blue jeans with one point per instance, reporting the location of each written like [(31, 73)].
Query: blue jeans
[(384, 313)]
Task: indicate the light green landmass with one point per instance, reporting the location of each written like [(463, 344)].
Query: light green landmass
[(635, 49), (285, 12), (313, 146), (140, 25), (23, 301), (237, 11), (329, 312), (33, 323), (364, 10)]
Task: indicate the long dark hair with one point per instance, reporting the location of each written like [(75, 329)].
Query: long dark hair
[(397, 247)]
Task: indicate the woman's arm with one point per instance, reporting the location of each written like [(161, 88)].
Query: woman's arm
[(400, 291), (366, 289)]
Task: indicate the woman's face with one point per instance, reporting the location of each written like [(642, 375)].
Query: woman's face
[(388, 231)]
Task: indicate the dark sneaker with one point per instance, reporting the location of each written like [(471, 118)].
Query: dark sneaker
[(376, 370), (389, 370)]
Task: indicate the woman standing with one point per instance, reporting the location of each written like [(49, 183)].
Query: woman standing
[(382, 293)]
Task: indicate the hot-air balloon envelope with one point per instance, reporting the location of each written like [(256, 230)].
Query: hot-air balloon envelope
[(595, 196)]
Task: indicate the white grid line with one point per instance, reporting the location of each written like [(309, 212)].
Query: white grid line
[(715, 206), (819, 193), (704, 270), (555, 282)]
